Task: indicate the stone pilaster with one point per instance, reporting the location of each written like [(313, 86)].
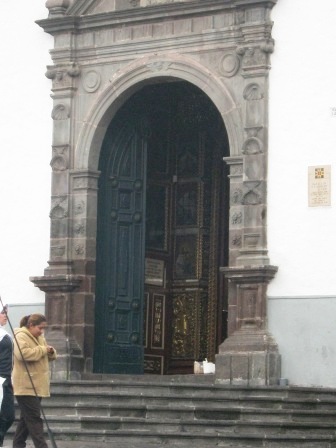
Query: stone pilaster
[(249, 356), (59, 289)]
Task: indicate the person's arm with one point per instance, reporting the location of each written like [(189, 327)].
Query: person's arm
[(29, 353), (51, 353)]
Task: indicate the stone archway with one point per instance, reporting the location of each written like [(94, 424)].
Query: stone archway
[(155, 69), (224, 49)]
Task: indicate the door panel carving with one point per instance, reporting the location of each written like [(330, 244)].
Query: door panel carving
[(120, 254)]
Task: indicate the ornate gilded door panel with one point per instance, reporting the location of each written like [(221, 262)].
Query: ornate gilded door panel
[(183, 218)]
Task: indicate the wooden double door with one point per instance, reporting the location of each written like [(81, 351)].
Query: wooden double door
[(162, 233)]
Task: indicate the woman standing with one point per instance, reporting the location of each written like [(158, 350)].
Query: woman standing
[(7, 412), (29, 389)]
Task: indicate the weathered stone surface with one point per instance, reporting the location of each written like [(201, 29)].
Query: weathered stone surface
[(105, 51)]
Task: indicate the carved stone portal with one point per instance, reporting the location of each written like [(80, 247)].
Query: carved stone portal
[(105, 52)]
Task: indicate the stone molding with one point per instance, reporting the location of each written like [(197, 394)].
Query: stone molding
[(78, 19), (57, 283)]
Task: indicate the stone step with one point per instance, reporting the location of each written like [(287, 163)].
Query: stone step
[(76, 424), (193, 427), (140, 439), (211, 411), (272, 399), (189, 412)]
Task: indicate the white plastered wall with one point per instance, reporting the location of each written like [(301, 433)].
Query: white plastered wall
[(302, 239), (25, 149)]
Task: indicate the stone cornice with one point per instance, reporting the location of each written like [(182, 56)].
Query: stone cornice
[(250, 274), (57, 283), (169, 11)]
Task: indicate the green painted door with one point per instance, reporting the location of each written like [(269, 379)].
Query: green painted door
[(120, 247)]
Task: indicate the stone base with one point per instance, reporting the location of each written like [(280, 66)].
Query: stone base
[(69, 362), (248, 368)]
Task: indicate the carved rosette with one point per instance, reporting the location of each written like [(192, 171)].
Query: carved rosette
[(229, 65), (91, 81)]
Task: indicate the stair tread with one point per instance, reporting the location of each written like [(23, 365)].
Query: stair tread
[(190, 412), (153, 421)]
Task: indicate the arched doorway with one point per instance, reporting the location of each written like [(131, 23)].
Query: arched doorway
[(162, 233)]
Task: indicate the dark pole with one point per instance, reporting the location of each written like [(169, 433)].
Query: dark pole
[(50, 434)]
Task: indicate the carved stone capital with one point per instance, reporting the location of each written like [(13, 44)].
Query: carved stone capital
[(255, 58), (59, 71), (62, 75)]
